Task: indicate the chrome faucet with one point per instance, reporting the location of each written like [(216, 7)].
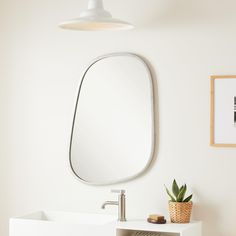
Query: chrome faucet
[(120, 203)]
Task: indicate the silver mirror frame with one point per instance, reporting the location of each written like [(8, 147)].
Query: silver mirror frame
[(154, 141)]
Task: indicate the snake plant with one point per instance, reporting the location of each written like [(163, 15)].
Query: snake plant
[(178, 193)]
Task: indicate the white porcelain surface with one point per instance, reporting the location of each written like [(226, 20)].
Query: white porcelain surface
[(48, 223)]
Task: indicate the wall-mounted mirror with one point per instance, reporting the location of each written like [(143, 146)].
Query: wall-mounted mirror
[(112, 136)]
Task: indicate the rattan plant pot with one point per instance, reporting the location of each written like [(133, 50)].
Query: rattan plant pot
[(180, 212)]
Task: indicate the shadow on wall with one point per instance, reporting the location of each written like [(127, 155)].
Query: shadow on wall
[(156, 112), (209, 215), (169, 13)]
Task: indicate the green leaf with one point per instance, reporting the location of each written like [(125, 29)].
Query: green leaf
[(175, 188), (187, 199), (181, 194), (168, 192)]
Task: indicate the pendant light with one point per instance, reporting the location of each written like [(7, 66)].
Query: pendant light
[(95, 18)]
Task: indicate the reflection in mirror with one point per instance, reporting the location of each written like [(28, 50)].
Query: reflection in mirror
[(112, 136)]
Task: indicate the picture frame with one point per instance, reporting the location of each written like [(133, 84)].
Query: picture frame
[(223, 111)]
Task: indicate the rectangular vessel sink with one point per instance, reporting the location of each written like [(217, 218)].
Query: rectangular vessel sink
[(48, 223)]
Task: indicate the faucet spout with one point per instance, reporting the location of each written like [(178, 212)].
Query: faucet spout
[(116, 203), (120, 203)]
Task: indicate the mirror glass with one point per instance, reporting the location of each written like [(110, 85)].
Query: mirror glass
[(112, 136)]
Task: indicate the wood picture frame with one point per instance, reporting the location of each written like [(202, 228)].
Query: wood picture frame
[(223, 111)]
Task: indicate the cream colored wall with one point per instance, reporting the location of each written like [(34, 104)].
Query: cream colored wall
[(41, 65)]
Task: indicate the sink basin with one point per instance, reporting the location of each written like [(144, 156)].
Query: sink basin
[(48, 223)]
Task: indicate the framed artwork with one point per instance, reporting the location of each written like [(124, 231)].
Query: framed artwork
[(223, 111)]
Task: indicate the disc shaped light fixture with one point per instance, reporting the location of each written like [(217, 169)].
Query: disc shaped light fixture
[(95, 18)]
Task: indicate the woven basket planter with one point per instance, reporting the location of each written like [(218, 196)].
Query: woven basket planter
[(180, 212)]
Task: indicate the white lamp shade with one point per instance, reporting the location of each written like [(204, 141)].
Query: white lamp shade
[(95, 18)]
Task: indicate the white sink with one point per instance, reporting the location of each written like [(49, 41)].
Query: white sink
[(52, 223), (49, 223)]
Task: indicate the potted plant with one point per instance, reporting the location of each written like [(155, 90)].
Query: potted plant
[(180, 208)]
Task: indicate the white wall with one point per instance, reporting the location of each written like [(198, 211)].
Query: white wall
[(40, 68)]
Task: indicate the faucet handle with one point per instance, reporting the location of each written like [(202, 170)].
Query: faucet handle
[(120, 191)]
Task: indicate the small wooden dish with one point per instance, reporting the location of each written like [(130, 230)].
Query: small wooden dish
[(156, 222)]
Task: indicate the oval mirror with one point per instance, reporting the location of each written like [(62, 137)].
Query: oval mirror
[(112, 136)]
